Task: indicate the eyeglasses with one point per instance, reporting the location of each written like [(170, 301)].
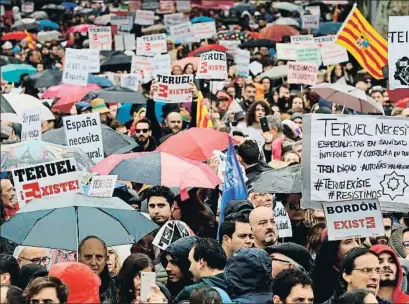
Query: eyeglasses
[(368, 270), (294, 206), (222, 99), (39, 261), (141, 130), (406, 244)]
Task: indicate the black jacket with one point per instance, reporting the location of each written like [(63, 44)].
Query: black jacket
[(255, 170), (151, 146)]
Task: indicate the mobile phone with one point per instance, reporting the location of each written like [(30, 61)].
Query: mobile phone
[(147, 280), (264, 124)]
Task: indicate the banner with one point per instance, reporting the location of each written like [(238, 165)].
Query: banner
[(144, 67), (204, 30), (31, 126), (163, 65), (331, 53), (75, 67), (174, 88), (46, 180), (282, 221), (182, 33), (398, 52), (356, 157), (353, 219), (145, 17), (183, 6), (243, 61), (309, 54), (130, 81), (302, 73), (310, 22), (84, 132), (102, 185), (302, 39), (212, 65), (287, 51), (151, 45), (100, 38)]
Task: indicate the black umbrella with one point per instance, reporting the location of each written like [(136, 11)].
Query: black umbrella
[(241, 7), (45, 79), (9, 60), (25, 26), (5, 106), (113, 142), (257, 43), (118, 94), (116, 61)]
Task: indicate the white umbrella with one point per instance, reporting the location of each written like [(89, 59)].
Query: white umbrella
[(276, 72), (43, 37), (40, 15), (348, 96), (286, 6), (21, 102), (286, 21)]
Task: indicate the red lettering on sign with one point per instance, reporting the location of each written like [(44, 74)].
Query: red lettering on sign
[(163, 90), (370, 222), (31, 191), (147, 46), (203, 67)]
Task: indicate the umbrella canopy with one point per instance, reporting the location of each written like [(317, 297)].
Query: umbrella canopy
[(33, 152), (201, 19), (28, 24), (187, 60), (285, 180), (113, 142), (198, 143), (276, 72), (207, 48), (239, 8), (285, 6), (17, 36), (44, 79), (257, 43), (276, 32), (7, 112), (43, 37), (4, 60), (53, 7), (118, 94), (48, 24), (287, 21), (22, 102), (82, 28), (116, 61), (69, 6), (62, 222), (103, 82), (40, 15), (13, 72), (348, 96), (159, 168)]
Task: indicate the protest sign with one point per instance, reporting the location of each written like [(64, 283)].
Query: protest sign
[(102, 185), (256, 67), (173, 19), (170, 232), (119, 43), (310, 22), (144, 67), (212, 65), (151, 45), (163, 64), (166, 7), (46, 180), (94, 63), (31, 126), (150, 5), (174, 88), (204, 30), (145, 17), (309, 54), (313, 10), (130, 81), (282, 221), (27, 7), (331, 53), (287, 51), (182, 32), (325, 40), (398, 52), (75, 67), (84, 132), (119, 20), (302, 39), (134, 5), (125, 42), (302, 73), (243, 61), (231, 45), (183, 6), (356, 157), (100, 38), (353, 219)]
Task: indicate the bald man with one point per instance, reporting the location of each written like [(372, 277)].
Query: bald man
[(174, 122), (264, 227), (33, 255)]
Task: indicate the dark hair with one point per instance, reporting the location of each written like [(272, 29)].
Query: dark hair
[(211, 252), (405, 230), (314, 236), (354, 296), (36, 285), (161, 191), (145, 120), (131, 268), (205, 295), (14, 295), (238, 133), (249, 152), (88, 238), (115, 124), (251, 113), (250, 85), (184, 69), (228, 227), (287, 279), (9, 264)]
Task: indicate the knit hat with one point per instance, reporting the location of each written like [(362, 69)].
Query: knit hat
[(98, 106), (297, 253), (295, 116)]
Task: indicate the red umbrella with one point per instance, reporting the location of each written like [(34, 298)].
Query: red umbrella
[(207, 48), (195, 143), (82, 28), (17, 36), (276, 32), (403, 103)]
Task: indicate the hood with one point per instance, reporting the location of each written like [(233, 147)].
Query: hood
[(398, 295), (29, 272), (81, 280), (248, 271)]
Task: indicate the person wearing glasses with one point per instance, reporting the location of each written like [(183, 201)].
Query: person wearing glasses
[(32, 255), (143, 136), (405, 242)]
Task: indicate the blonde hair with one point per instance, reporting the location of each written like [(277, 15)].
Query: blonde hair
[(117, 265)]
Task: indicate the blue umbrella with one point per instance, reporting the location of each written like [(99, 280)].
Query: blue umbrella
[(48, 24), (62, 222), (327, 28), (13, 72), (201, 19), (101, 81), (69, 6), (123, 114)]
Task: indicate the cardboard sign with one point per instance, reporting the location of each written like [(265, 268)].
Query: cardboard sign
[(84, 132), (46, 180), (204, 30), (183, 32), (212, 65), (356, 157), (119, 20), (302, 73), (100, 38), (145, 17), (302, 39), (31, 126), (331, 53), (144, 67), (183, 6), (102, 185), (130, 81), (75, 67), (287, 51), (151, 45), (310, 22), (353, 219), (309, 54), (163, 65), (27, 7), (174, 88), (243, 62), (282, 221)]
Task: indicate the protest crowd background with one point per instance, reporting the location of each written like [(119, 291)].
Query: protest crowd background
[(197, 151)]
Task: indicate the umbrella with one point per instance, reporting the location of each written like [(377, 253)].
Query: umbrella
[(276, 32), (13, 72), (257, 43), (327, 28), (16, 36), (207, 48), (201, 19), (287, 21), (113, 141), (43, 37), (69, 6), (48, 24), (84, 11), (82, 28), (40, 15), (6, 106), (276, 72), (239, 8), (44, 79), (33, 152), (7, 112), (198, 143), (158, 168), (285, 6), (22, 102), (116, 61), (4, 60), (403, 103), (285, 180), (187, 60), (28, 24), (62, 222), (348, 96), (103, 82), (53, 7), (153, 29), (118, 94)]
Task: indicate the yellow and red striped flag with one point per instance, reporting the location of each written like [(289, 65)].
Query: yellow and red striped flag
[(31, 43), (368, 47), (202, 120)]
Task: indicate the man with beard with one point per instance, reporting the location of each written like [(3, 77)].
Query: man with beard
[(390, 275), (249, 96), (264, 227), (160, 204), (387, 225), (143, 136)]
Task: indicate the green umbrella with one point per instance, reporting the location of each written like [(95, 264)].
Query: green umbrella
[(13, 72)]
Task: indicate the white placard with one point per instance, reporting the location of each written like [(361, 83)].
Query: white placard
[(183, 6), (282, 221), (102, 185), (144, 67), (100, 38), (27, 7), (182, 32), (309, 54), (163, 64), (46, 180), (398, 52), (310, 22), (356, 157), (174, 89), (119, 43), (302, 73), (302, 39), (325, 40), (94, 61), (119, 20), (212, 65), (331, 53), (130, 81), (145, 17), (166, 7), (204, 30), (314, 10), (31, 126), (353, 219), (287, 51), (151, 45), (173, 19), (243, 62), (129, 42), (84, 132), (256, 67), (75, 67)]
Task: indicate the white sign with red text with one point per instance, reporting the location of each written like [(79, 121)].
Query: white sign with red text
[(212, 65), (302, 73), (151, 45), (144, 67), (310, 22), (145, 17), (302, 39), (183, 32), (174, 88), (287, 51), (204, 30), (100, 38)]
